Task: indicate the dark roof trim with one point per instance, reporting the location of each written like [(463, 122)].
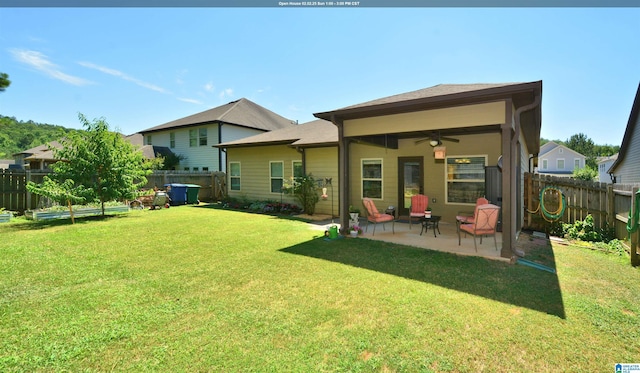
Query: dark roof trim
[(628, 132), (446, 100)]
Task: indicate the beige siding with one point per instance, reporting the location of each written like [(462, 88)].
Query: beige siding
[(462, 116), (434, 170), (254, 172), (628, 172), (323, 163)]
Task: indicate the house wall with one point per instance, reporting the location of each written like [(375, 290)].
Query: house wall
[(255, 179), (461, 116), (200, 156), (435, 172), (603, 167), (628, 171), (552, 157)]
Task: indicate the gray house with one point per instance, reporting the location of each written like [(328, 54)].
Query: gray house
[(558, 160), (626, 169), (193, 136)]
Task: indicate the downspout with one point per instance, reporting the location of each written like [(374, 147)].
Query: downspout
[(513, 193), (530, 158), (220, 151)]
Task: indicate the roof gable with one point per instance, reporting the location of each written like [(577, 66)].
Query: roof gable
[(241, 112), (317, 132), (628, 132)]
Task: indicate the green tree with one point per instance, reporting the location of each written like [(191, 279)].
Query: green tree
[(65, 193), (4, 81), (102, 162), (305, 190), (585, 173), (585, 146)]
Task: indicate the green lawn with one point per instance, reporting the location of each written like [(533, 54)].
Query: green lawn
[(204, 289)]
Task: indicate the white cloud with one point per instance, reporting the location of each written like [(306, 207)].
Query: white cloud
[(124, 76), (42, 63), (209, 87), (226, 93), (190, 100)]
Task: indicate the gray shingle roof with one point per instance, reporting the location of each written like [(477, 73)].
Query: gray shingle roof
[(435, 91), (317, 132), (242, 112)]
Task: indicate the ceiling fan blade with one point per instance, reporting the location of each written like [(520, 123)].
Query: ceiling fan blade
[(423, 140), (449, 139)]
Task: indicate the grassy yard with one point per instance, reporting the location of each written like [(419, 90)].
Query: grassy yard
[(204, 289)]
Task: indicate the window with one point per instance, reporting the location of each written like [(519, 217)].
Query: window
[(205, 168), (186, 168), (576, 163), (372, 178), (465, 179), (560, 164), (193, 138), (172, 140), (545, 164), (234, 175), (276, 173), (297, 170), (195, 169), (148, 140), (560, 150), (202, 133)]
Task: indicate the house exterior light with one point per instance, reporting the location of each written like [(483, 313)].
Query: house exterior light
[(439, 152)]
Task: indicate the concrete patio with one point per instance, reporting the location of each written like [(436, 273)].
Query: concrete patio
[(446, 240)]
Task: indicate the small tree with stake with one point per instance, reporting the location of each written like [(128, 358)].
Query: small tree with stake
[(65, 193)]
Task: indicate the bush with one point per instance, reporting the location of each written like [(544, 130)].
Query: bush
[(585, 230)]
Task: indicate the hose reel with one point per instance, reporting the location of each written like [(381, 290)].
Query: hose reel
[(551, 216)]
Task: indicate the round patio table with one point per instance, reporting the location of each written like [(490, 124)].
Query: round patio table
[(432, 222)]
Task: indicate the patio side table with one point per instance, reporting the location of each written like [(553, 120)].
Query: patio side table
[(432, 222)]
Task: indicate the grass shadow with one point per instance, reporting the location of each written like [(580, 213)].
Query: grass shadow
[(517, 285)]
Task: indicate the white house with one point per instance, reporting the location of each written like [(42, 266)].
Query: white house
[(192, 137), (558, 160), (604, 163), (626, 169)]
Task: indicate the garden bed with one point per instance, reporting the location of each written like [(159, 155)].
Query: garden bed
[(77, 212), (5, 217)]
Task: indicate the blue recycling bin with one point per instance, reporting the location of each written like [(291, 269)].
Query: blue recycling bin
[(177, 193)]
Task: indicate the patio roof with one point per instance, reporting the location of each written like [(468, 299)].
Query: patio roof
[(315, 133)]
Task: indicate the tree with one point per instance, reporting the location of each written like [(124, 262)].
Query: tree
[(305, 190), (4, 81), (100, 162), (585, 146), (64, 193), (585, 173)]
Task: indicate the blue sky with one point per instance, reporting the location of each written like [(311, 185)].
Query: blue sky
[(141, 67)]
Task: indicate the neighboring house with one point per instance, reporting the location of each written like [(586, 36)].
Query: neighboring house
[(558, 160), (41, 157), (4, 163), (604, 164), (626, 169), (37, 158), (258, 166), (193, 137), (385, 149)]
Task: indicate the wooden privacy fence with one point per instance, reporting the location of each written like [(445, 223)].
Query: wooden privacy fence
[(14, 195), (609, 204)]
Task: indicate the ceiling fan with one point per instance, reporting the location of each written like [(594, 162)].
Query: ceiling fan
[(435, 139)]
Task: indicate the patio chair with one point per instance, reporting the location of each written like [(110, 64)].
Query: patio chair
[(375, 217), (485, 222), (419, 204), (469, 217)]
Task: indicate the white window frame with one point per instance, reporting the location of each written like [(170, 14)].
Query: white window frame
[(172, 140), (545, 164), (363, 179), (293, 168), (232, 175), (576, 163), (202, 136), (148, 140), (271, 177), (558, 164), (193, 137), (446, 177)]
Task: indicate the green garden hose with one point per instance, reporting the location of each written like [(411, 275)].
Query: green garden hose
[(551, 216), (634, 215)]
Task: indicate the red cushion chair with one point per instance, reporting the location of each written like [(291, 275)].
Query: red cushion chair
[(419, 204), (485, 222), (375, 217)]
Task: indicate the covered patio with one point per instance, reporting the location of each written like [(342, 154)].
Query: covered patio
[(446, 240)]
